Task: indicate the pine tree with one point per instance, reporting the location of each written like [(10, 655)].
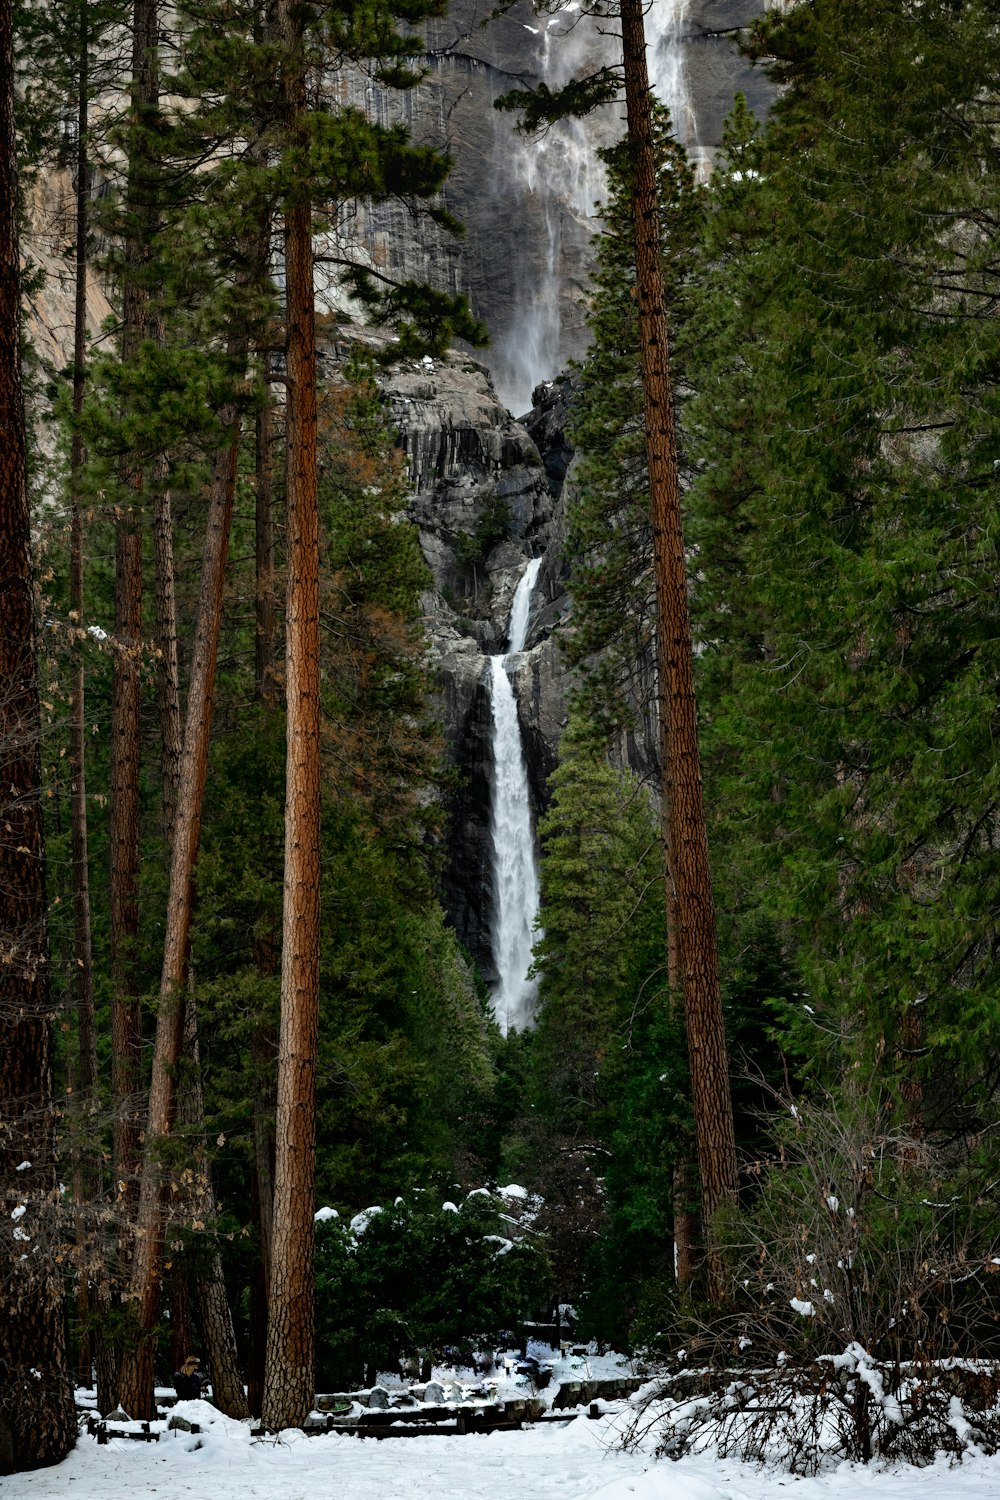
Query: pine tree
[(847, 425), (37, 1420), (691, 911)]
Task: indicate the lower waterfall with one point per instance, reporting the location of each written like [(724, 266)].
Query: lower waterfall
[(515, 872)]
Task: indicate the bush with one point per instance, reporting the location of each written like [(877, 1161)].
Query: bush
[(415, 1277), (839, 1407), (864, 1300)]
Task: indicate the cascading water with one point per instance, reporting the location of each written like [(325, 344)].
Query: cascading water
[(560, 176), (666, 33), (515, 873), (561, 182)]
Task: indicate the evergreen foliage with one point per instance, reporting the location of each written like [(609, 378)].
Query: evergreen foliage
[(416, 1278), (608, 530), (845, 427)]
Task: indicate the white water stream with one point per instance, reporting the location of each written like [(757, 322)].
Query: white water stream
[(561, 176), (515, 873)]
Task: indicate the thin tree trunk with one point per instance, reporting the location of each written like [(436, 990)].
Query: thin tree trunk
[(265, 594), (126, 1038), (213, 1302), (78, 793), (84, 1165), (182, 1341), (258, 1338), (687, 1248), (167, 671), (137, 1368), (263, 1053), (289, 1388), (689, 869), (37, 1418), (126, 1026)]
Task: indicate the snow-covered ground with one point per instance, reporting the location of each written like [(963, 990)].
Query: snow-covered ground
[(578, 1460)]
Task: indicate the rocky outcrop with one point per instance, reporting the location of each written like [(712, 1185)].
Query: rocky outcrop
[(484, 499)]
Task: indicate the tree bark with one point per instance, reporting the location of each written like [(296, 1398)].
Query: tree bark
[(37, 1418), (167, 670), (688, 869), (265, 606), (126, 1024), (126, 1039), (289, 1388), (137, 1367), (217, 1328), (182, 1341), (84, 1165)]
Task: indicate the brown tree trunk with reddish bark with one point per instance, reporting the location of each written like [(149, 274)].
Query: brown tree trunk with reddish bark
[(265, 591), (687, 1240), (688, 873), (182, 1341), (289, 1386), (147, 1265), (37, 1418)]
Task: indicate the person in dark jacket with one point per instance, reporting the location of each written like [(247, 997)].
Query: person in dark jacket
[(188, 1380)]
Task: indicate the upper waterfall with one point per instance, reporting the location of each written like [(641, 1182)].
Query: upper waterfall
[(530, 205)]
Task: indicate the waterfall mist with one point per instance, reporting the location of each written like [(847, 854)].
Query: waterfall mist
[(561, 184), (515, 871)]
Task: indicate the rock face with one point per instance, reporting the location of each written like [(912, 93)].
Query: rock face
[(484, 502), (529, 205)]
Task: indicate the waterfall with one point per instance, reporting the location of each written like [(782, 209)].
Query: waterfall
[(515, 874), (666, 34), (557, 183)]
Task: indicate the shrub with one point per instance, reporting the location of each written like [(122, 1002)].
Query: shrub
[(865, 1297), (417, 1277)]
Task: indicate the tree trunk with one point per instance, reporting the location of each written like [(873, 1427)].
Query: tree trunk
[(686, 1238), (265, 608), (289, 1388), (258, 1338), (264, 1050), (182, 1342), (126, 1038), (688, 866), (137, 1367), (167, 672), (213, 1303), (220, 1341), (84, 1166), (37, 1418), (126, 1026)]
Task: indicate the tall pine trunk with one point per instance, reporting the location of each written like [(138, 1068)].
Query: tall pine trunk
[(84, 1172), (289, 1383), (37, 1418), (126, 1038), (688, 872)]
